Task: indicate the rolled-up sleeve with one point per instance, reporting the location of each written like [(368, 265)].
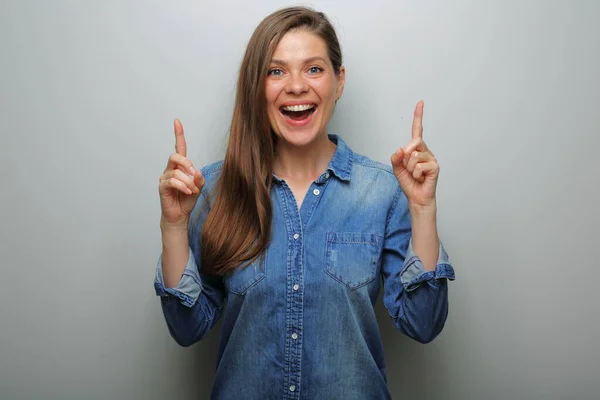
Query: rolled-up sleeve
[(188, 288), (195, 305), (413, 273), (416, 299)]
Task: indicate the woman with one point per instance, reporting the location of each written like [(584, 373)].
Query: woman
[(297, 233)]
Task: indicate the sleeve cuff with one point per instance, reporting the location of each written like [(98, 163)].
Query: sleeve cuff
[(189, 287), (413, 273)]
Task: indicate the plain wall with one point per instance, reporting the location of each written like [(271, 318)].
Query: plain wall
[(88, 94)]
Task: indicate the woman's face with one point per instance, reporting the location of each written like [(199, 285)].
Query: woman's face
[(301, 88)]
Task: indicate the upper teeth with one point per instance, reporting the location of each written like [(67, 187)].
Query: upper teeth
[(303, 107)]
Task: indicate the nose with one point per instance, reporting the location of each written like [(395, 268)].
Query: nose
[(296, 84)]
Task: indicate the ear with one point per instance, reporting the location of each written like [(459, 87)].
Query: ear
[(341, 81)]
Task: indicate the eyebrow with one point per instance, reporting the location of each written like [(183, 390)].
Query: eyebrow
[(307, 61)]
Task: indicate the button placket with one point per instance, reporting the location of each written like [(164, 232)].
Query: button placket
[(294, 311)]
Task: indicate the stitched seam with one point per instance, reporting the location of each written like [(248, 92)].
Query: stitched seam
[(193, 276), (211, 169), (375, 165), (349, 163), (372, 242), (409, 264), (181, 296), (393, 207)]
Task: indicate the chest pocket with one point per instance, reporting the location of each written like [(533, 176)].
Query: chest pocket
[(243, 279), (351, 257)]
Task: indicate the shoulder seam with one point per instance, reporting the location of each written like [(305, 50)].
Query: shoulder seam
[(395, 202), (374, 164), (212, 168)]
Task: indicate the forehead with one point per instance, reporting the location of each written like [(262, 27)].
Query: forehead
[(300, 44)]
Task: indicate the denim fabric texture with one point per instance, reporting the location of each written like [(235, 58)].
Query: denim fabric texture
[(299, 323)]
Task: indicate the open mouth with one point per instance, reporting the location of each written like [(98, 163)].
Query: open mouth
[(299, 112)]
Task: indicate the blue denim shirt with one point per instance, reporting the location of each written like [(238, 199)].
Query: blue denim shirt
[(300, 323)]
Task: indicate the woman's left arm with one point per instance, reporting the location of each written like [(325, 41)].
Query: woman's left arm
[(415, 265), (417, 171)]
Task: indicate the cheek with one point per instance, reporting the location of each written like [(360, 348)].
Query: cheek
[(272, 91), (326, 91)]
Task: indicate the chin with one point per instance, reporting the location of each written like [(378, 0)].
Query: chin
[(298, 138)]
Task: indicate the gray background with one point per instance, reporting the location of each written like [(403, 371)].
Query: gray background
[(88, 94)]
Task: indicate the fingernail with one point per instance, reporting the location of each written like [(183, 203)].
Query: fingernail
[(193, 171)]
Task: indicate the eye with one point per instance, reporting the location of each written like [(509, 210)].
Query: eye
[(315, 70), (275, 72)]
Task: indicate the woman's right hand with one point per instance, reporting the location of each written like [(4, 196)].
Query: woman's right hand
[(179, 185)]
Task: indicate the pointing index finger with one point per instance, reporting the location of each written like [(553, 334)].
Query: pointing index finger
[(180, 146), (417, 127)]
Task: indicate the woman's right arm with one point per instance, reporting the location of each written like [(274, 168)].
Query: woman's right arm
[(191, 301)]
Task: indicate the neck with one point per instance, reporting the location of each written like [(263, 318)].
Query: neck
[(303, 163)]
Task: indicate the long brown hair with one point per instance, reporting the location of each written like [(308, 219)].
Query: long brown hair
[(237, 229)]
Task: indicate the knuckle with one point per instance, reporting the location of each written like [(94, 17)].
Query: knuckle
[(182, 176)]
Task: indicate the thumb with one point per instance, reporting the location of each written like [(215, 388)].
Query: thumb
[(396, 160)]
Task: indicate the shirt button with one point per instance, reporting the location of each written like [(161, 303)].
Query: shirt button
[(294, 336), (327, 175), (292, 388), (296, 236), (316, 192), (296, 287)]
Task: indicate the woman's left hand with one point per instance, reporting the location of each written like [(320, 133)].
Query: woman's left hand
[(416, 168)]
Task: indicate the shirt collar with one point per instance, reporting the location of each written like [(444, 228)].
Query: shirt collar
[(340, 164)]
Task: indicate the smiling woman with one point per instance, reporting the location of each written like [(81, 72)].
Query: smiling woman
[(302, 87), (292, 236)]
